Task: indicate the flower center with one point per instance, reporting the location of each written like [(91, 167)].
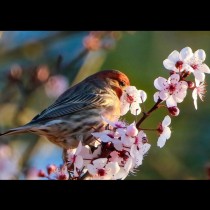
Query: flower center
[(179, 65), (171, 88), (123, 155), (101, 172), (129, 99), (194, 66), (174, 111)]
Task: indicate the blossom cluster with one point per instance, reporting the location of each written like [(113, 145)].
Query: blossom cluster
[(181, 64), (120, 151), (121, 147)]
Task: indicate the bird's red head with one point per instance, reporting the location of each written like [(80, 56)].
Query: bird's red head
[(116, 79)]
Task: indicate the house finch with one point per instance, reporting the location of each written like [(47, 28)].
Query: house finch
[(78, 111)]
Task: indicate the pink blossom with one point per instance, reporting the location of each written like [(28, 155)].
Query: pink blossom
[(132, 130), (100, 169), (196, 65), (178, 61), (130, 100), (75, 159), (172, 91)]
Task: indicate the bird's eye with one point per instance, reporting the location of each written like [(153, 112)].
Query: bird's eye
[(122, 83)]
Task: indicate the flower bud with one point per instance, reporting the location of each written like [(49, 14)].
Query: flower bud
[(51, 169), (174, 110), (132, 130), (191, 84), (41, 173)]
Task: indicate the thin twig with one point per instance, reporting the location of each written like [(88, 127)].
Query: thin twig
[(147, 114)]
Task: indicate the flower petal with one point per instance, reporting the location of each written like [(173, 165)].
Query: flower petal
[(143, 96), (171, 102), (79, 162), (132, 130), (128, 165), (186, 53), (124, 108), (160, 83), (141, 134), (118, 145), (79, 148), (179, 97), (127, 141), (135, 109), (200, 55), (161, 141), (145, 148), (163, 95), (204, 68), (102, 136), (188, 68), (112, 168), (174, 56), (182, 85), (91, 169), (174, 79), (122, 174), (199, 75), (195, 97), (156, 96), (166, 121), (100, 163), (170, 65), (138, 159), (86, 153), (167, 132)]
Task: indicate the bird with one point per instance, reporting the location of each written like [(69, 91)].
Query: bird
[(79, 111)]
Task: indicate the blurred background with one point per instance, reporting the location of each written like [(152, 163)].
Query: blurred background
[(37, 66)]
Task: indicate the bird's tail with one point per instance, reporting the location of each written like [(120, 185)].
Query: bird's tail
[(18, 130)]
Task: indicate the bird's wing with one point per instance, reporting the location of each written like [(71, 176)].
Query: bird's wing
[(73, 101)]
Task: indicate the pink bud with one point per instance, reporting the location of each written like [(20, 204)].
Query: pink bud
[(174, 110), (62, 177), (51, 169), (191, 84), (41, 173), (132, 130)]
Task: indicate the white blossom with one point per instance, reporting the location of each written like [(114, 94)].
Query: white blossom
[(178, 61), (196, 65), (130, 100), (172, 90), (100, 169), (164, 131)]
